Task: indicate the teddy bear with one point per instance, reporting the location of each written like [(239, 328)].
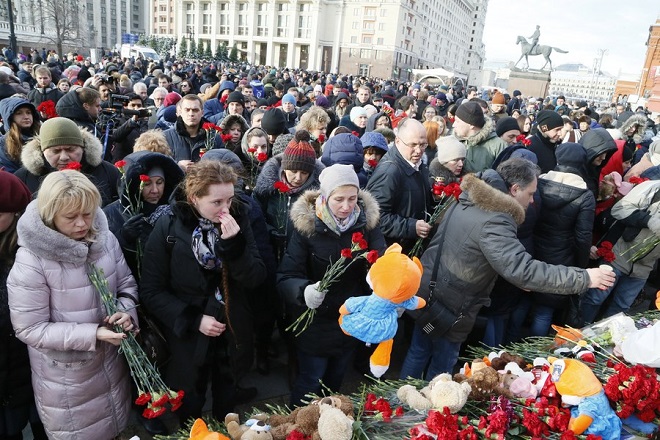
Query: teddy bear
[(200, 431), (499, 360), (484, 382), (395, 279), (441, 392), (333, 423), (305, 419), (254, 429), (579, 388)]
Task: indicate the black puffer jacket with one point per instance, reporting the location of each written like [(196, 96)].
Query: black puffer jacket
[(403, 195), (177, 291), (545, 152), (311, 250), (70, 106), (481, 243)]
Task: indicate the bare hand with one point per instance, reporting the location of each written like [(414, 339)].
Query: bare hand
[(211, 327), (601, 278), (229, 227), (422, 229), (96, 81), (593, 253), (106, 335), (184, 164), (121, 319)]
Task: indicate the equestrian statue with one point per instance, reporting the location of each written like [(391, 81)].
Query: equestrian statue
[(533, 49)]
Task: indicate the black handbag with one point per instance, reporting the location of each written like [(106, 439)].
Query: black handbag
[(436, 319), (152, 340)]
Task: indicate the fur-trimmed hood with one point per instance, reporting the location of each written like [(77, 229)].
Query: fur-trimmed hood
[(487, 197), (303, 212), (270, 173), (638, 135), (34, 161), (47, 243), (481, 135)]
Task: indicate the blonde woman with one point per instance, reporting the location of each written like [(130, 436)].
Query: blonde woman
[(80, 381)]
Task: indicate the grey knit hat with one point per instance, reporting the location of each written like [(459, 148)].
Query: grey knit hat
[(280, 143), (335, 176)]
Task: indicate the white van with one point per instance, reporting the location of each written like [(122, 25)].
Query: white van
[(132, 51)]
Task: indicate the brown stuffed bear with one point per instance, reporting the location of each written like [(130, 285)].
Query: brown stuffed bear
[(255, 428), (484, 382), (305, 419), (498, 362)]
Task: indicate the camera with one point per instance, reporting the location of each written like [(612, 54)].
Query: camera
[(117, 106), (104, 78)]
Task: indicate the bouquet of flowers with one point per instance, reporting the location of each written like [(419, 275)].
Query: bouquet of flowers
[(282, 209), (604, 251), (523, 140), (333, 273), (260, 159), (634, 390), (47, 110), (152, 391), (211, 131), (447, 195)]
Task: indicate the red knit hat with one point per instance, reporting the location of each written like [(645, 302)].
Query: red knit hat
[(14, 195), (299, 154)]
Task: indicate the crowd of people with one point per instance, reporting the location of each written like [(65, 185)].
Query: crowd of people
[(216, 196)]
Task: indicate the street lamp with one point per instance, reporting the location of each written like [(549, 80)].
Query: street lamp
[(12, 35)]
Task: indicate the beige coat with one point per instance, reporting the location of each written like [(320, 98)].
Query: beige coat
[(81, 385)]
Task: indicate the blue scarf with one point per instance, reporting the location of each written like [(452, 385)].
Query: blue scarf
[(204, 238)]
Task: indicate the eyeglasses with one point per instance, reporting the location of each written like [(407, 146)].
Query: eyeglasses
[(420, 147), (458, 159)]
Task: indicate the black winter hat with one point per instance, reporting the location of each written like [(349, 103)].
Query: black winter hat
[(506, 124), (274, 122), (236, 96), (471, 113), (548, 119)]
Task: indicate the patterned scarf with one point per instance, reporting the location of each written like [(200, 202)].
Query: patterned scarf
[(328, 218), (204, 238)]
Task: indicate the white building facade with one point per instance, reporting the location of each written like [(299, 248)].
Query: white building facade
[(577, 81), (377, 38)]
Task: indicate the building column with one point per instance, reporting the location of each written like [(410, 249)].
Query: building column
[(293, 25), (334, 66)]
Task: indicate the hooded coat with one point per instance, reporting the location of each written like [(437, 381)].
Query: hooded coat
[(70, 106), (481, 243), (371, 122), (227, 122), (596, 142), (102, 174), (213, 106), (483, 148), (312, 248), (81, 384), (8, 107), (345, 149), (563, 232)]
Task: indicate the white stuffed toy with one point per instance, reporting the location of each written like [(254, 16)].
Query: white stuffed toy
[(441, 392)]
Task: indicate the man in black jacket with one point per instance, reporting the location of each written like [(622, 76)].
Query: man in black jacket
[(400, 184), (546, 139)]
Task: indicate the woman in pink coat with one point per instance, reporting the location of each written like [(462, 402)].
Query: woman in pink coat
[(80, 381)]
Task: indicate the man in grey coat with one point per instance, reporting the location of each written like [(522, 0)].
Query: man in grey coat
[(479, 244)]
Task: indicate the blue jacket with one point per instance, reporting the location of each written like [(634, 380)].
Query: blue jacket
[(8, 107)]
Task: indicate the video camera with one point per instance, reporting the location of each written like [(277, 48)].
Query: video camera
[(117, 106)]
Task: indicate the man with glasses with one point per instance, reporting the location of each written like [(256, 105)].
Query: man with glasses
[(400, 184)]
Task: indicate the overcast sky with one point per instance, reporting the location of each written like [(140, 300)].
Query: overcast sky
[(581, 27)]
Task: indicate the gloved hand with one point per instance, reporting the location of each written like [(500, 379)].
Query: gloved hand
[(133, 228), (314, 298), (654, 224)]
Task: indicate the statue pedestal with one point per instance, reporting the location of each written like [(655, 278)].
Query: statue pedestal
[(530, 82)]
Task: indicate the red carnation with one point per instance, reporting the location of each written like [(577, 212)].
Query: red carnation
[(636, 180), (321, 138), (76, 166), (605, 252), (120, 164), (357, 236), (143, 399), (162, 400), (372, 256), (224, 98), (346, 253), (372, 163), (362, 244), (252, 150), (262, 157), (208, 126), (225, 137), (144, 178), (281, 187), (355, 133)]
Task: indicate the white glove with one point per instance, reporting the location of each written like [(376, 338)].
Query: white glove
[(314, 298), (654, 224)]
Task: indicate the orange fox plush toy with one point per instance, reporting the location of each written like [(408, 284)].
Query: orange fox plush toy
[(395, 280)]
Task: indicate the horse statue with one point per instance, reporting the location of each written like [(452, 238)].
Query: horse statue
[(538, 50)]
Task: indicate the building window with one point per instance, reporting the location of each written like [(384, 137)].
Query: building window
[(353, 39), (364, 70), (381, 26), (379, 41), (368, 26), (242, 6), (366, 39), (263, 7), (282, 7), (369, 12), (383, 12), (365, 53)]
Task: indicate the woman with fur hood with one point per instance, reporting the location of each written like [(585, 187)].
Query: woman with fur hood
[(80, 380), (233, 128), (324, 222), (63, 144), (254, 152), (297, 170)]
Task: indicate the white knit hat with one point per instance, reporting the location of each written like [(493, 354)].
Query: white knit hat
[(449, 148), (335, 176)]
